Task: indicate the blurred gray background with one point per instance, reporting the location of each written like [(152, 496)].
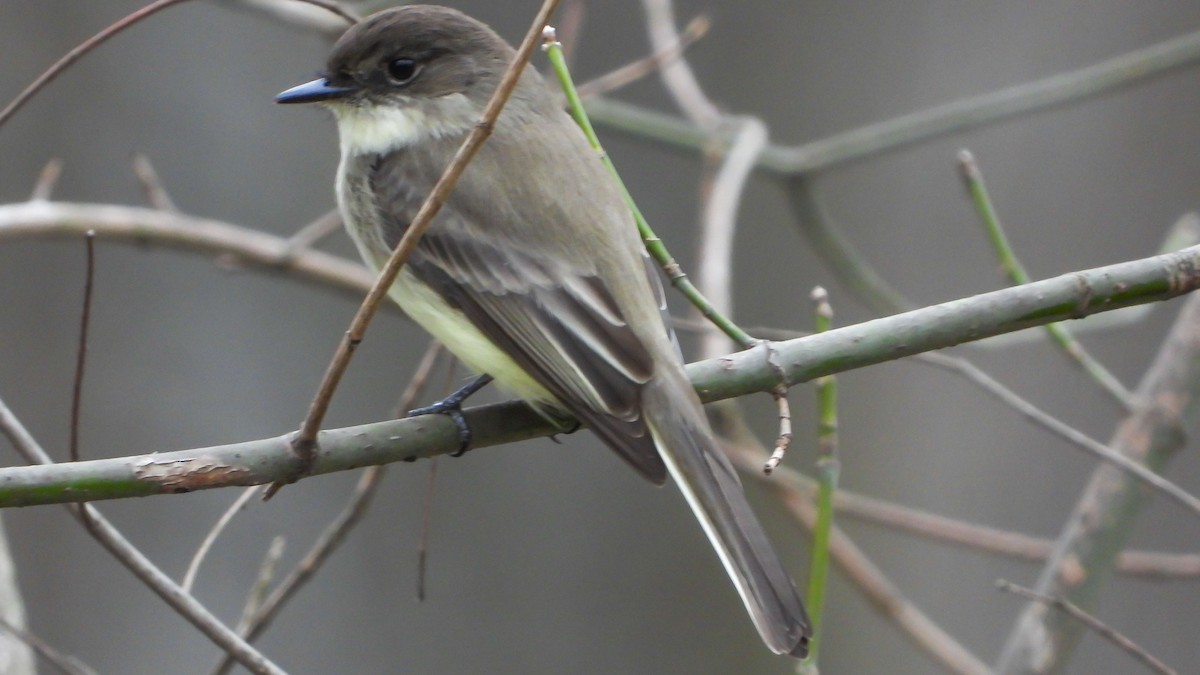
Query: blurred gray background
[(556, 558)]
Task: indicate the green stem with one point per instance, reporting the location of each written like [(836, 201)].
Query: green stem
[(828, 468), (653, 244), (1016, 273)]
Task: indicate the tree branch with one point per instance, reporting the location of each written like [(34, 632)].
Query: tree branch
[(763, 368), (1043, 640), (876, 139)]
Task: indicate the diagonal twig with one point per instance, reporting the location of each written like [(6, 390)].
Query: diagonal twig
[(256, 623), (137, 563), (152, 186), (747, 455), (632, 72), (1099, 627), (977, 190), (1102, 520), (87, 46), (70, 665), (193, 568)]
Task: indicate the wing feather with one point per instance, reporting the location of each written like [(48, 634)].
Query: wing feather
[(550, 313)]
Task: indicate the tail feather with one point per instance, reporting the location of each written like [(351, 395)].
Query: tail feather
[(712, 489)]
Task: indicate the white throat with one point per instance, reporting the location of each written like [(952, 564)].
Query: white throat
[(379, 129)]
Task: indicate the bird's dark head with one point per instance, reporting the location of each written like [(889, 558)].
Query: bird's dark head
[(408, 73)]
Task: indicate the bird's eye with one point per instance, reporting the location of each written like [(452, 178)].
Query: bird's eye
[(402, 71)]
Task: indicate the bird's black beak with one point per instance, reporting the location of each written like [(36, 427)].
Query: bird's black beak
[(313, 92)]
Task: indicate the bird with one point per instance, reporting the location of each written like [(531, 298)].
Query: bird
[(533, 273)]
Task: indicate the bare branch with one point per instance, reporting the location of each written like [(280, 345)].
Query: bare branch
[(152, 187), (143, 226), (876, 139), (65, 663), (1042, 641), (677, 75), (87, 46), (258, 591), (632, 72), (714, 272), (189, 577), (325, 18), (255, 624), (47, 180), (129, 556), (1098, 626), (755, 370)]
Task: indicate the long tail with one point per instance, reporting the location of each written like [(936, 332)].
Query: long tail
[(711, 486)]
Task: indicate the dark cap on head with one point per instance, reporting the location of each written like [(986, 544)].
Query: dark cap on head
[(414, 51)]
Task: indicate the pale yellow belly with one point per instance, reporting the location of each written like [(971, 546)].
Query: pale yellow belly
[(452, 329)]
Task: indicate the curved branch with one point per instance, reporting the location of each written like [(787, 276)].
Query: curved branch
[(131, 224)]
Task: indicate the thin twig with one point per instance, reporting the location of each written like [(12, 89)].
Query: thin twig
[(1065, 431), (319, 17), (306, 237), (714, 271), (47, 180), (262, 583), (632, 72), (1102, 520), (1146, 564), (336, 531), (305, 440), (654, 245), (85, 321), (423, 371), (1099, 627), (66, 663), (103, 36), (137, 563), (677, 75), (747, 455), (784, 440), (152, 186), (977, 190), (193, 568)]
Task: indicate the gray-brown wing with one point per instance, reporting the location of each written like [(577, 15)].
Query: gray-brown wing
[(552, 314), (561, 326)]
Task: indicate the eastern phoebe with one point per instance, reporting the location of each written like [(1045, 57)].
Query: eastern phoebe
[(533, 272)]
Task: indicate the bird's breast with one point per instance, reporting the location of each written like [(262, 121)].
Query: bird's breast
[(419, 300)]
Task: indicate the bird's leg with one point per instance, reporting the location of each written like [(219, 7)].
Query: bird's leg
[(451, 406)]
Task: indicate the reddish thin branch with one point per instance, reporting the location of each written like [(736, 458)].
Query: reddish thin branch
[(90, 44)]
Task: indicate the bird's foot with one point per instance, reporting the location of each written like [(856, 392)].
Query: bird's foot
[(451, 406)]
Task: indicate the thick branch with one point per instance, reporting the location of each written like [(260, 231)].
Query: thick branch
[(760, 369)]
